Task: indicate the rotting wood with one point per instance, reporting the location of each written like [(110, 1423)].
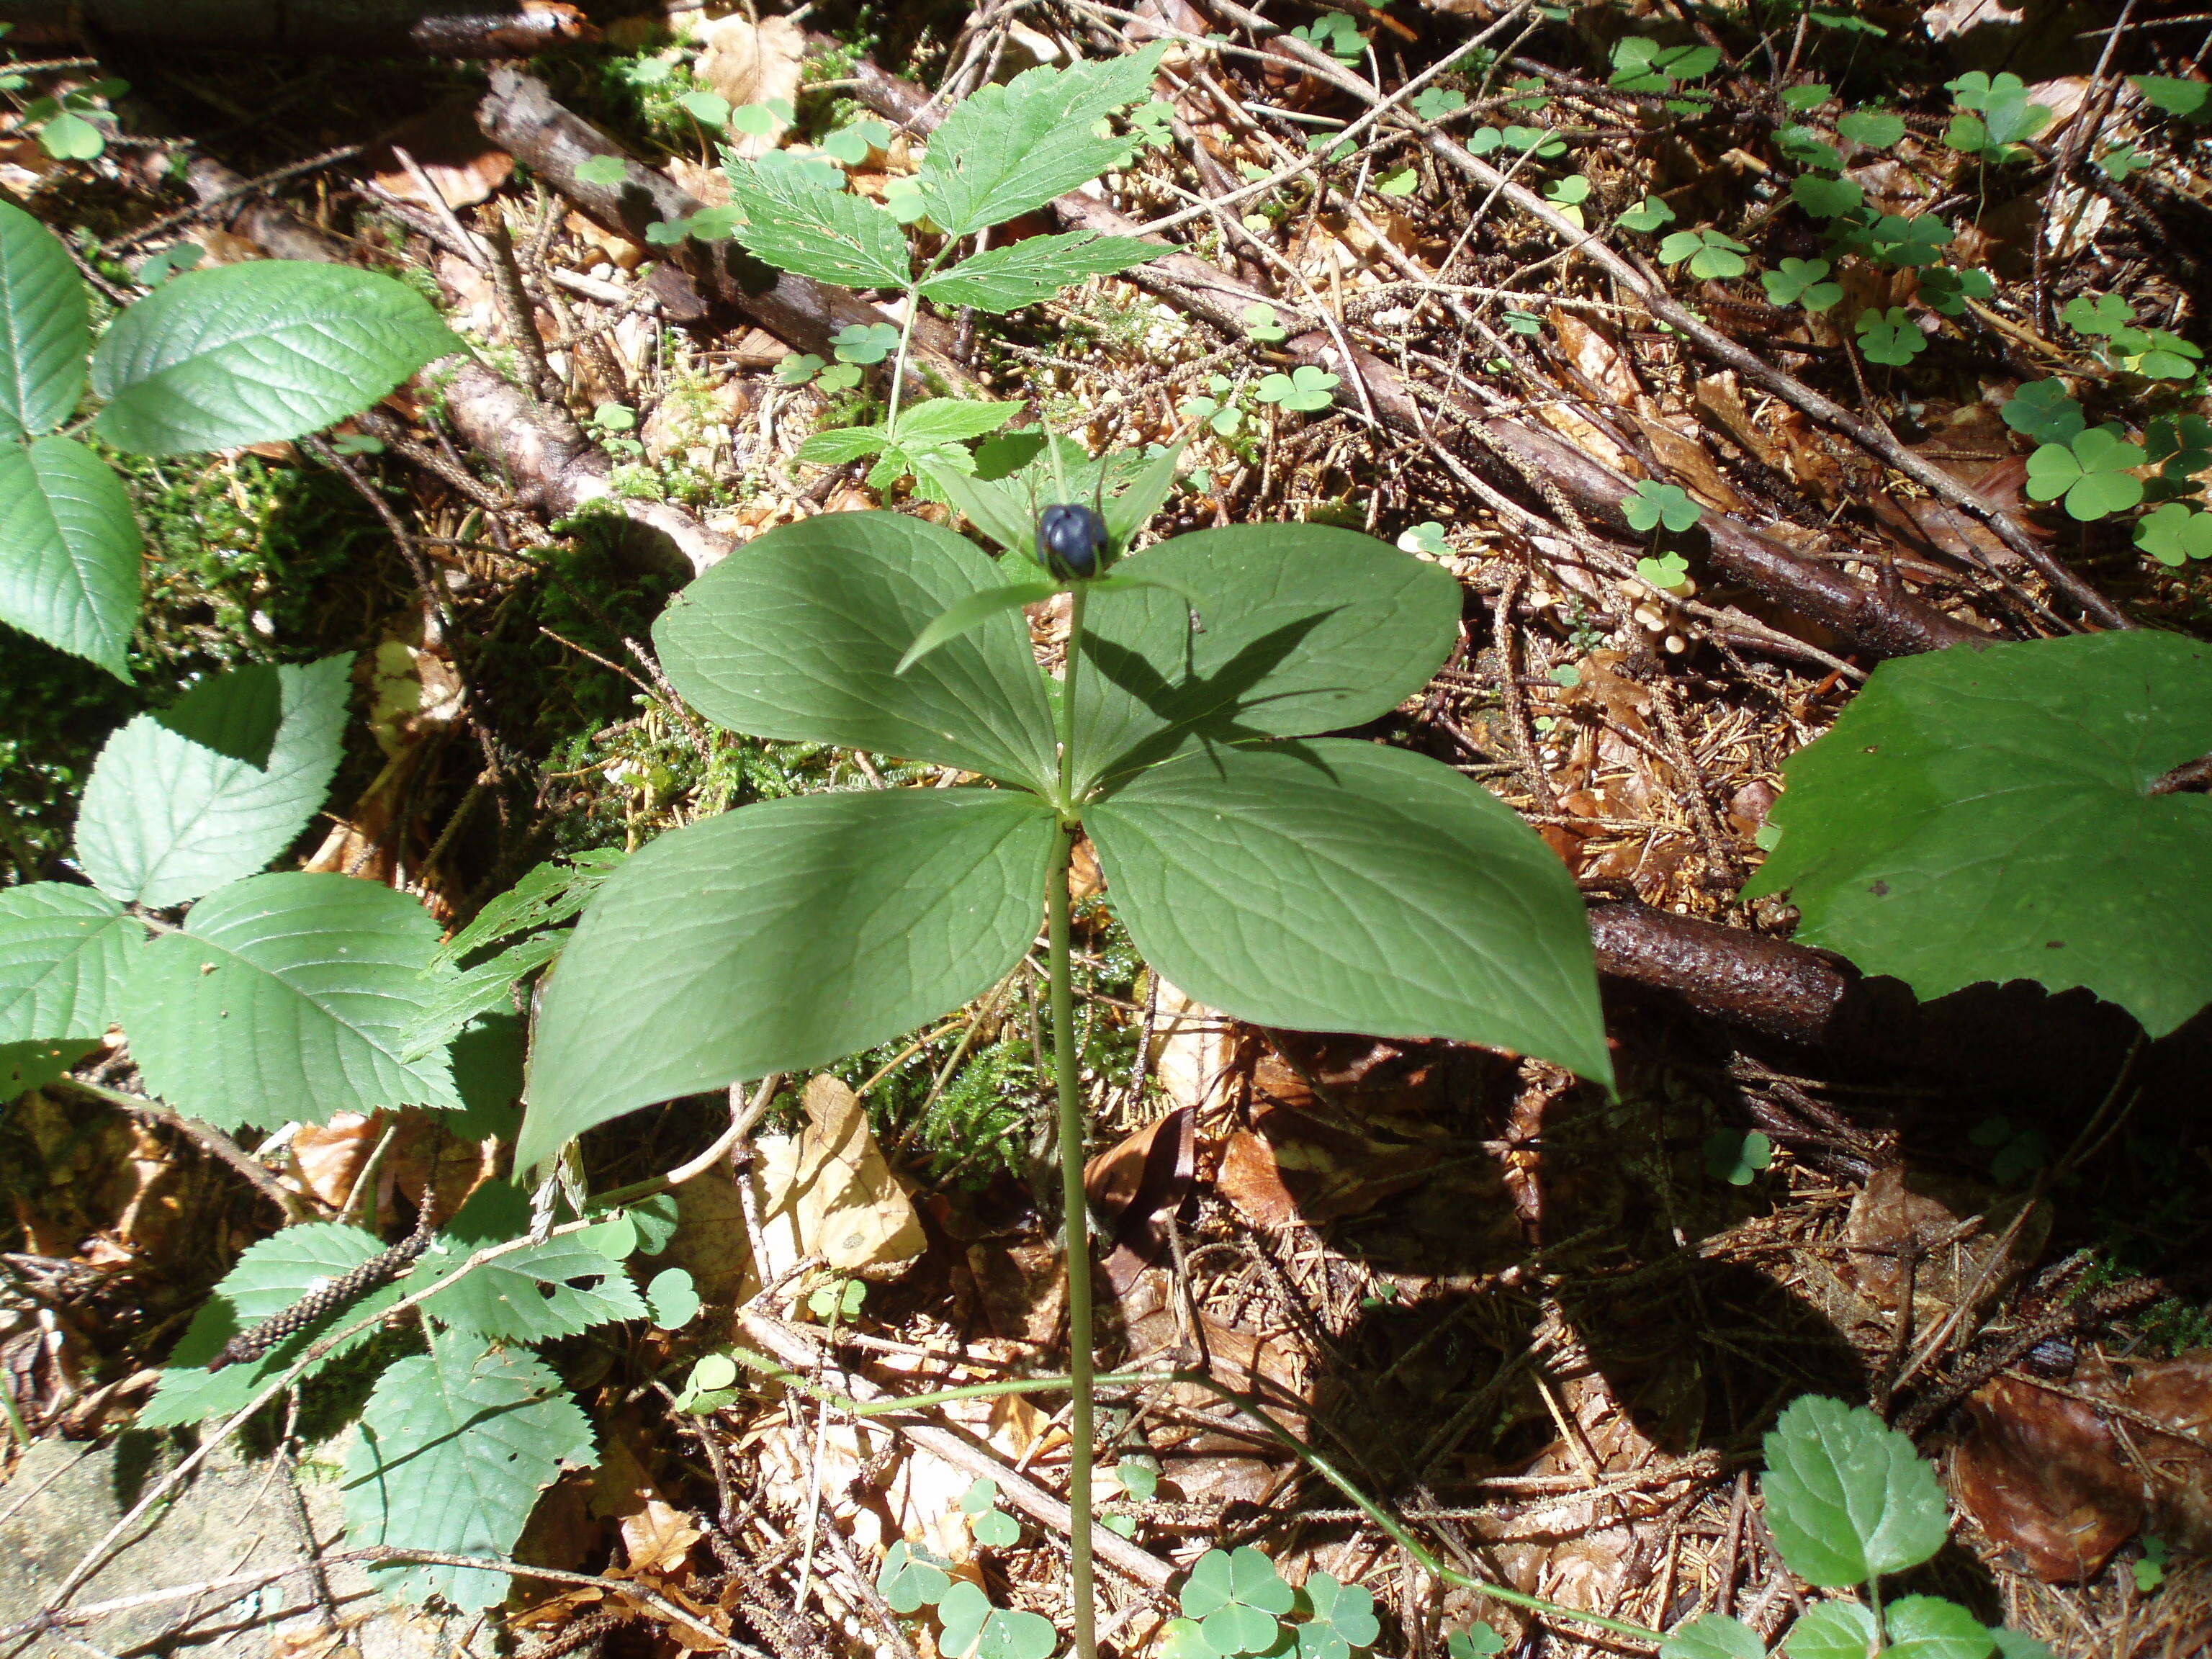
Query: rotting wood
[(436, 28)]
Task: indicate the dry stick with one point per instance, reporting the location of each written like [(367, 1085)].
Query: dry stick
[(226, 1150), (93, 1558), (1653, 296)]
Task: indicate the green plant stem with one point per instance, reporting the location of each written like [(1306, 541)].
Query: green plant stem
[(898, 364), (1076, 600), (1077, 1222)]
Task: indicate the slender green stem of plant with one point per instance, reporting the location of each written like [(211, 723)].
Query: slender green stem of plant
[(1078, 1218), (1076, 601), (898, 363), (776, 1370)]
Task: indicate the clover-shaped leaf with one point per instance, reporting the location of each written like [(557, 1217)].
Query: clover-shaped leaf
[(1894, 240), (1475, 1642), (1341, 1617), (1305, 387), (911, 1579), (1713, 1636), (2100, 314), (1872, 129), (991, 1526), (1805, 146), (1185, 1638), (673, 1298), (1825, 197), (1801, 281), (2181, 444), (2043, 410), (1735, 1155), (1237, 1598), (2121, 161), (851, 145), (602, 172), (971, 1628), (1670, 572), (865, 342), (2156, 354), (1434, 103), (1404, 182), (1427, 538), (2173, 534), (1947, 291), (1651, 505), (1139, 1478), (1712, 256), (799, 368), (1261, 323), (1890, 336), (2093, 472), (1649, 215), (2187, 98)]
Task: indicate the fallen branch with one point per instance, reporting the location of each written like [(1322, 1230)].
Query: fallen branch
[(352, 28)]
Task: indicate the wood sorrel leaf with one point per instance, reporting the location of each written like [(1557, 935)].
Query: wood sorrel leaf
[(247, 354), (798, 635), (780, 936), (1308, 629), (1982, 813), (1848, 1498), (1337, 886)]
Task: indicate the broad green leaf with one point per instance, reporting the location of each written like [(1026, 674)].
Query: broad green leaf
[(64, 954), (1128, 511), (1929, 1627), (453, 1449), (68, 551), (2093, 471), (997, 506), (1847, 1498), (45, 327), (252, 353), (798, 635), (972, 612), (1981, 814), (452, 1001), (1307, 628), (1007, 149), (952, 420), (285, 996), (178, 805), (33, 1065), (2043, 410), (1337, 886), (1236, 1596), (550, 893), (1022, 273), (559, 1288), (270, 1276), (1834, 1630), (778, 938), (794, 223), (2019, 1644), (1713, 1636)]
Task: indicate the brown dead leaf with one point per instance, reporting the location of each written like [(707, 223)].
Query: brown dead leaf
[(1720, 401), (827, 1192), (1134, 1184), (1687, 461), (2044, 1477), (1591, 348), (327, 1158), (709, 1242), (462, 164), (751, 62)]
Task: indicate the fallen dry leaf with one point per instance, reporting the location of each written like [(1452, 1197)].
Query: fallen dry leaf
[(751, 62), (2042, 1475), (462, 164), (827, 1192)]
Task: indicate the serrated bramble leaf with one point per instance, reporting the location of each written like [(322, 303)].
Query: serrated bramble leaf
[(796, 224), (1957, 823), (47, 329), (781, 937), (952, 420), (65, 952), (550, 893), (559, 1288), (284, 996), (1002, 279), (69, 551), (454, 1449), (1713, 1636), (1847, 1498), (1826, 198), (253, 353), (1875, 129), (842, 444), (1332, 885), (1008, 150), (1834, 1630), (186, 799), (272, 1276), (452, 1001)]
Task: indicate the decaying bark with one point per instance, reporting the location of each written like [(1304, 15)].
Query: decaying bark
[(1880, 620), (438, 28)]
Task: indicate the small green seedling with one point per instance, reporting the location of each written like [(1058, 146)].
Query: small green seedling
[(1802, 282), (1736, 1155), (1713, 257), (759, 120), (840, 1300), (1215, 407), (1670, 572), (180, 257), (709, 109), (357, 443), (991, 1526), (1428, 537), (673, 1299), (2094, 473), (2150, 1569), (911, 1579), (612, 423), (2123, 162), (1648, 216), (1947, 291), (1890, 337), (1335, 32), (1651, 505), (1261, 325), (851, 146), (2174, 534), (1996, 117), (1477, 1641), (1139, 1478), (1304, 388), (70, 127)]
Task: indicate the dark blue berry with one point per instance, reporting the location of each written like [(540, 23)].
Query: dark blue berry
[(1071, 541)]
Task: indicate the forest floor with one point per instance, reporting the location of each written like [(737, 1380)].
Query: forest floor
[(1548, 1328)]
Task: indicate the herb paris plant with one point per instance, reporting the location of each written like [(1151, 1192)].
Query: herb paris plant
[(1287, 880)]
